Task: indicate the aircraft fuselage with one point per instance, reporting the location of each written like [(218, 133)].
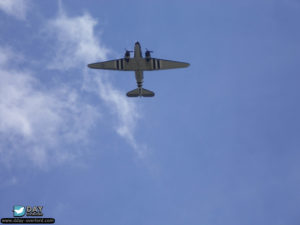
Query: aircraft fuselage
[(139, 75)]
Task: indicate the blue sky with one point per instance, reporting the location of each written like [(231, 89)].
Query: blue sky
[(218, 144)]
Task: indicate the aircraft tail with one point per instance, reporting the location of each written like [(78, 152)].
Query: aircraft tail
[(140, 92)]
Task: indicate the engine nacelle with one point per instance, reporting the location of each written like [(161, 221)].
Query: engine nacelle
[(148, 55), (127, 55)]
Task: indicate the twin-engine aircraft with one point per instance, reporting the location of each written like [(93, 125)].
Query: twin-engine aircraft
[(139, 65)]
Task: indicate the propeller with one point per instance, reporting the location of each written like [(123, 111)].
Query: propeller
[(150, 51), (148, 54), (127, 53), (127, 50)]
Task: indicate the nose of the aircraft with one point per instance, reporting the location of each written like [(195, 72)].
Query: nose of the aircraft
[(137, 43)]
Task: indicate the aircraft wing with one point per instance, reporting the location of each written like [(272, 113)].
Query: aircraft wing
[(162, 64), (118, 64), (142, 64)]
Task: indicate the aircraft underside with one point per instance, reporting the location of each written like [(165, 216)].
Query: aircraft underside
[(138, 64)]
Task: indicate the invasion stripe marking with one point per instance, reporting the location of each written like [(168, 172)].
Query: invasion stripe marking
[(121, 64), (158, 64), (153, 60), (117, 64)]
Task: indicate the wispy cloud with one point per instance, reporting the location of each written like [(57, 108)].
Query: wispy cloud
[(34, 121), (16, 8), (77, 45), (50, 125)]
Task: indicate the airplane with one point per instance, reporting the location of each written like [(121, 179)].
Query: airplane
[(139, 65)]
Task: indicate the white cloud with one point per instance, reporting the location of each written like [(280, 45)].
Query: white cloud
[(125, 110), (78, 45), (35, 122), (50, 125), (16, 8), (77, 42)]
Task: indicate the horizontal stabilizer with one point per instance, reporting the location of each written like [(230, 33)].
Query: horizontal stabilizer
[(140, 92), (133, 93)]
